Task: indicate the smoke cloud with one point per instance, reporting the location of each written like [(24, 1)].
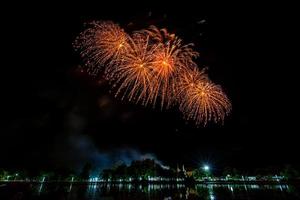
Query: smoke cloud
[(80, 149), (75, 149)]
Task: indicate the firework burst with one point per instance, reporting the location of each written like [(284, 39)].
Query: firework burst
[(133, 75), (152, 66), (103, 43), (169, 60), (201, 100)]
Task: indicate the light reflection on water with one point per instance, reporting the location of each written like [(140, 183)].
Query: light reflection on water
[(120, 191)]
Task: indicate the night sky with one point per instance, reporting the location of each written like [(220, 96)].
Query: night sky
[(55, 115)]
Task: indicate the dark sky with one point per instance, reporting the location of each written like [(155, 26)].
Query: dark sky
[(53, 114)]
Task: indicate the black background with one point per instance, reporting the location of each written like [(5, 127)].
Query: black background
[(47, 99)]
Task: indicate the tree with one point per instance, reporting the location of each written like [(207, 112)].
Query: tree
[(289, 172), (106, 174), (86, 171), (3, 174), (120, 171), (199, 174), (232, 172)]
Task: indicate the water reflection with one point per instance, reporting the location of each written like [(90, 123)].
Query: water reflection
[(119, 191)]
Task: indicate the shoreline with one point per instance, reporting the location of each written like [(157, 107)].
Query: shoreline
[(159, 182)]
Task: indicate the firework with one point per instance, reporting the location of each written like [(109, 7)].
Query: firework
[(169, 60), (201, 100), (133, 75), (188, 79), (173, 53), (103, 43), (158, 35), (152, 66)]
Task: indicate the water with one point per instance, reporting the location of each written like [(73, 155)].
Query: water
[(148, 192)]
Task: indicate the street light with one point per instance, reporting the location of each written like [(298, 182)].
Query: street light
[(206, 168), (16, 176)]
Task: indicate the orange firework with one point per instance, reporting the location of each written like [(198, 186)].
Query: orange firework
[(133, 75), (152, 66), (170, 58), (201, 100), (103, 43), (187, 80)]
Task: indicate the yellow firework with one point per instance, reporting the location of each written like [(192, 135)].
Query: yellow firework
[(133, 75), (103, 43), (169, 60), (201, 100)]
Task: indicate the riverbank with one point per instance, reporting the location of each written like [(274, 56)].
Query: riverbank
[(161, 182)]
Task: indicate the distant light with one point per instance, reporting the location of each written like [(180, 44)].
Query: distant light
[(201, 21), (206, 168)]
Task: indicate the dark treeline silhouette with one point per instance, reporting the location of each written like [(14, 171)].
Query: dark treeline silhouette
[(148, 170)]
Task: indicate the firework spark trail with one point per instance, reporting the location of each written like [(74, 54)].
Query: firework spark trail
[(103, 43), (152, 67), (133, 75), (187, 79), (201, 100), (170, 59)]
